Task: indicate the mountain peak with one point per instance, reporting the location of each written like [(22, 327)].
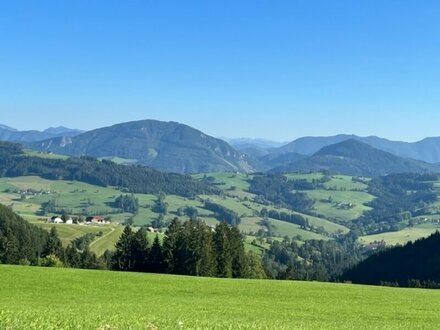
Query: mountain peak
[(168, 146)]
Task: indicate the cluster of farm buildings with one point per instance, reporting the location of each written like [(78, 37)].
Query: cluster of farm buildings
[(95, 220)]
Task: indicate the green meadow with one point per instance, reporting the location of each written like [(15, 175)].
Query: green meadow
[(402, 236), (56, 298), (82, 198)]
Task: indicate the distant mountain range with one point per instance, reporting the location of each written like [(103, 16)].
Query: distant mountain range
[(356, 158), (11, 134), (167, 146), (170, 146), (427, 150)]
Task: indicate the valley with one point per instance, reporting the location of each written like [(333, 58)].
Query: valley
[(340, 200)]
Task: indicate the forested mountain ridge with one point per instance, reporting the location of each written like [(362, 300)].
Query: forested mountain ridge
[(166, 146), (130, 178), (352, 157), (427, 150)]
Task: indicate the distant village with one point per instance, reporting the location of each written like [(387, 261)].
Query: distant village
[(91, 220)]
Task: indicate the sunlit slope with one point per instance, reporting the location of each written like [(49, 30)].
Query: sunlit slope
[(50, 298)]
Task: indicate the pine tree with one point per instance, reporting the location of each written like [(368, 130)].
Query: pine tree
[(239, 258), (223, 250), (140, 250), (205, 265), (255, 268), (72, 258), (155, 258), (53, 245), (123, 258), (9, 248), (169, 246)]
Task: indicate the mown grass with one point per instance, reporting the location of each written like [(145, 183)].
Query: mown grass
[(67, 233), (330, 209), (402, 236), (50, 298)]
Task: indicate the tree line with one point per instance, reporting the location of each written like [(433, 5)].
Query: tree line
[(222, 213), (278, 189), (187, 248), (25, 243), (130, 178), (415, 264)]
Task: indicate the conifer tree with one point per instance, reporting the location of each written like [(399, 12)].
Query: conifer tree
[(239, 257), (169, 246), (53, 245), (223, 250), (155, 257), (123, 258), (205, 254), (140, 250)]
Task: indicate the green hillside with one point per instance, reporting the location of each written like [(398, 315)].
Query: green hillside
[(166, 146), (51, 298), (352, 157), (27, 194)]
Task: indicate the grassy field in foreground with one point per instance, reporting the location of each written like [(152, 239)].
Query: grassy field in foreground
[(51, 298)]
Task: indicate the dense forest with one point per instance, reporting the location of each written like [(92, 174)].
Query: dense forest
[(188, 248), (279, 190), (415, 264), (20, 241), (312, 260), (134, 179)]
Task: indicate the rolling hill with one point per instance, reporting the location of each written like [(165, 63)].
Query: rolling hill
[(427, 150), (352, 157), (167, 146)]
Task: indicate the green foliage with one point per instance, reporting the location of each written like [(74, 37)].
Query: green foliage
[(396, 195), (189, 248), (222, 213), (278, 189), (415, 264), (53, 245), (51, 260), (19, 239), (313, 260), (135, 179), (127, 203)]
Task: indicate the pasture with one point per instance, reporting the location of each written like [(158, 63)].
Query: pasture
[(57, 298), (402, 236)]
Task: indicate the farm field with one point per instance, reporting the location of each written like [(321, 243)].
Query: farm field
[(80, 198), (402, 236), (338, 192), (56, 298)]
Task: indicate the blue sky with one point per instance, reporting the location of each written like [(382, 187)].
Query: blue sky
[(270, 69)]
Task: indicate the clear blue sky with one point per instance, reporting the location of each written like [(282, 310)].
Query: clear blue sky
[(257, 68)]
